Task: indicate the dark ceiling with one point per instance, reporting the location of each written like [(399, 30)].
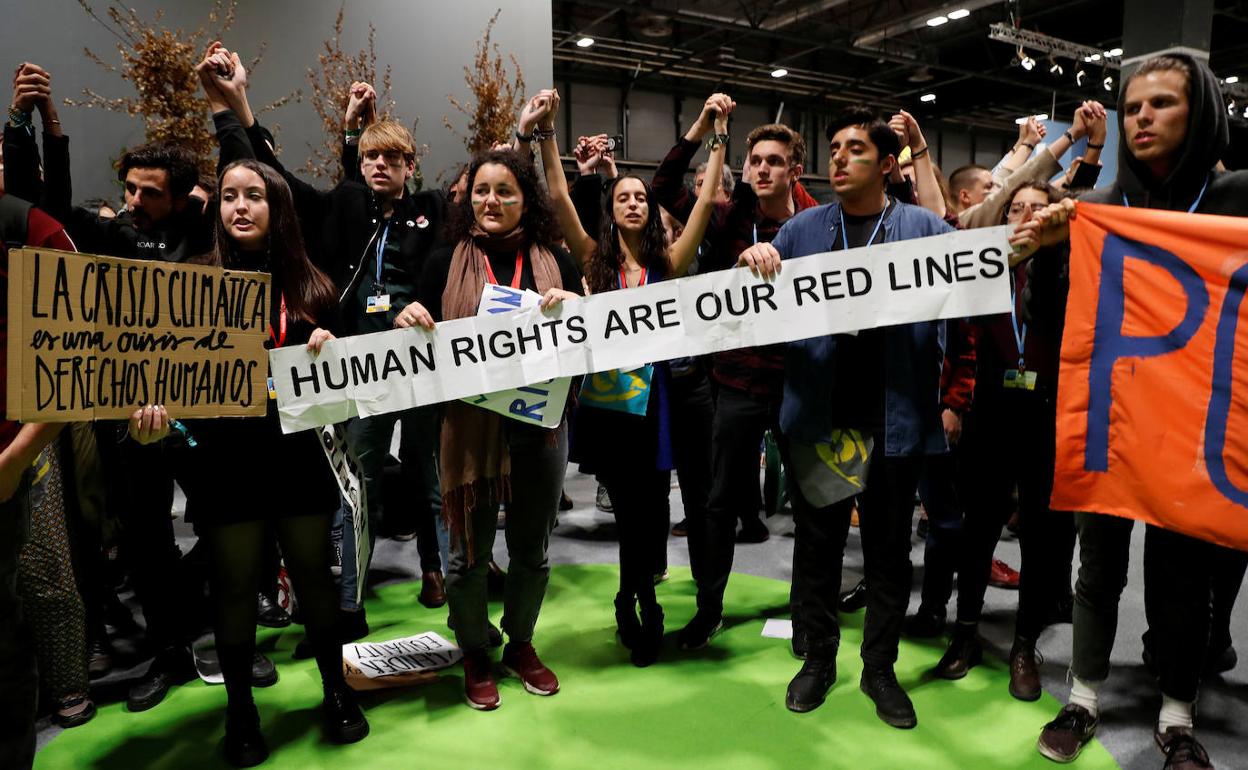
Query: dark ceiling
[(881, 53)]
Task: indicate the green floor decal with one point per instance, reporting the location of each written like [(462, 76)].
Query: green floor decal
[(722, 707)]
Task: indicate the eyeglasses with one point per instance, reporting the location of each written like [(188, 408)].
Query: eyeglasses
[(1022, 208), (392, 157)]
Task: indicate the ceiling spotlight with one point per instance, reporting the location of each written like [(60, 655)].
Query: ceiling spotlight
[(1021, 121), (1054, 67), (1232, 80), (929, 98), (1027, 63), (1093, 57), (779, 72), (1230, 108), (936, 21), (1042, 117), (1114, 52), (1108, 82), (1246, 112), (1080, 76), (584, 42), (961, 13)]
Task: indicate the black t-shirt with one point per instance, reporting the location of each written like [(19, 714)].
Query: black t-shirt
[(860, 375), (503, 263)]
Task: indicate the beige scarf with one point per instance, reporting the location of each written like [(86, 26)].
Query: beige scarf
[(475, 463)]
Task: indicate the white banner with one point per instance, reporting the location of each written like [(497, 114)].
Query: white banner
[(954, 275), (538, 404), (420, 653)]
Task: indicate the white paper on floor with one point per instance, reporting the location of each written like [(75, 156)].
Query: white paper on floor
[(425, 652), (778, 628)]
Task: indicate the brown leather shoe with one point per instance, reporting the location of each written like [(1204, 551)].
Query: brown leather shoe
[(432, 590), (1062, 739), (1024, 674), (963, 654), (1182, 750)]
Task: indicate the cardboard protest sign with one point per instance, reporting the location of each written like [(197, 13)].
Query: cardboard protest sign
[(954, 275), (96, 337), (541, 403), (1152, 409)]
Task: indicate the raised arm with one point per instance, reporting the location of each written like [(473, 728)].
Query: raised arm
[(361, 113), (668, 184), (927, 188), (546, 105), (685, 248)]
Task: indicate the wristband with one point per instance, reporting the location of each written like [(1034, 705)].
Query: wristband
[(542, 134), (716, 141), (916, 154), (1069, 135), (17, 118), (352, 132), (524, 137), (1096, 146), (1028, 145)]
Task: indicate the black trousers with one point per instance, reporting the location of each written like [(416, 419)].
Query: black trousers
[(885, 513), (943, 547), (639, 504), (1008, 440), (1178, 585), (692, 414), (147, 473), (737, 433)]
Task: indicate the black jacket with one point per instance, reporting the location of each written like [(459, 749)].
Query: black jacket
[(182, 235), (341, 225)]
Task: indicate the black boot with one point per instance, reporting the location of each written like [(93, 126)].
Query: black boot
[(810, 687), (892, 705), (344, 722), (650, 638), (244, 744), (627, 626), (172, 666), (963, 654)]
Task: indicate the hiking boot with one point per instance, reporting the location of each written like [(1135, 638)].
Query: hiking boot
[(1024, 673), (521, 659), (963, 654), (344, 722), (892, 705), (1062, 739), (810, 687)]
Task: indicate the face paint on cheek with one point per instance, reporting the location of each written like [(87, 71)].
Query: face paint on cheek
[(862, 161), (510, 203), (478, 201)]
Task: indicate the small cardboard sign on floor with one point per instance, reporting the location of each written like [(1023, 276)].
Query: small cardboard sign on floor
[(397, 662)]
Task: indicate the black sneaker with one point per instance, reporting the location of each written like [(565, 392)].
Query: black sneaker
[(244, 744), (1062, 739), (810, 687), (602, 500), (698, 632), (892, 705), (1181, 749)]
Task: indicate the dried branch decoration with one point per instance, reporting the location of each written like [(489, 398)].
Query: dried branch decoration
[(498, 98), (160, 63)]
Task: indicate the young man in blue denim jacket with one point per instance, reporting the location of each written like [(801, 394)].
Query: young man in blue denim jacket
[(880, 386)]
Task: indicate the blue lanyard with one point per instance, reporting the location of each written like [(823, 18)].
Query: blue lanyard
[(874, 232), (1190, 210), (1020, 333), (381, 249)]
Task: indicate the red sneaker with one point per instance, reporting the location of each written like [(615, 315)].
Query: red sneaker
[(1003, 575), (480, 690), (521, 659)]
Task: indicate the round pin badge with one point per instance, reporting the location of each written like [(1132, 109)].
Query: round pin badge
[(421, 222)]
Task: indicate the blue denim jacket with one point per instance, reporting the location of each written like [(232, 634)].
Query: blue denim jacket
[(913, 356)]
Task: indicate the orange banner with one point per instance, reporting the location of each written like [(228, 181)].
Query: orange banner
[(1152, 409)]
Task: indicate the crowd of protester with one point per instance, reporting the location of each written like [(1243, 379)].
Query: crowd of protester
[(958, 414)]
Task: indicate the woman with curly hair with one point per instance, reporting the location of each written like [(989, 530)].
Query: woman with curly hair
[(502, 233), (631, 450)]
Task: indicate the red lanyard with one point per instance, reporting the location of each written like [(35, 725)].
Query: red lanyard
[(645, 273), (280, 339), (515, 278)]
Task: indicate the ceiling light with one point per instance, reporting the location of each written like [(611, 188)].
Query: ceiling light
[(1232, 80), (1115, 52), (1042, 117), (1108, 83), (1021, 121), (1093, 57), (1054, 67), (927, 98), (961, 13), (1028, 63), (584, 42), (1080, 76), (779, 72), (936, 21), (1246, 112)]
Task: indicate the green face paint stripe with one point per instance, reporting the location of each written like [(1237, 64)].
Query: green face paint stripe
[(862, 161), (509, 203)]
